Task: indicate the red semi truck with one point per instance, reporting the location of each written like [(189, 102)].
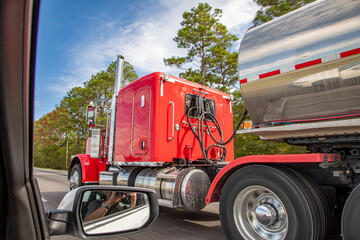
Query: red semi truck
[(300, 81)]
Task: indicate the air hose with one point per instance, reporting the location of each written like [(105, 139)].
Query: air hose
[(205, 117)]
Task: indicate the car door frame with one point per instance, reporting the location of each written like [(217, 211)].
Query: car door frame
[(22, 212)]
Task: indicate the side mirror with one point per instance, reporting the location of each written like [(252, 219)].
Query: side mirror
[(91, 115), (103, 211)]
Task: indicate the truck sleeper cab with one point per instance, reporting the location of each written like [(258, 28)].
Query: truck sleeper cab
[(154, 146)]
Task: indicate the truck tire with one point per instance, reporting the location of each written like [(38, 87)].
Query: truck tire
[(350, 217), (75, 180), (264, 202), (322, 204)]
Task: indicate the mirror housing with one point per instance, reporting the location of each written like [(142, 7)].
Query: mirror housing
[(68, 218), (91, 115)]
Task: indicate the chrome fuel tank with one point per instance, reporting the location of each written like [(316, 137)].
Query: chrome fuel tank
[(303, 66)]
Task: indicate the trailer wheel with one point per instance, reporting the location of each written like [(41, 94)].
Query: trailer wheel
[(350, 217), (263, 202), (75, 180)]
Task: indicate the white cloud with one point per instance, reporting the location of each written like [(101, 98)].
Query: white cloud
[(146, 42), (237, 15), (111, 24)]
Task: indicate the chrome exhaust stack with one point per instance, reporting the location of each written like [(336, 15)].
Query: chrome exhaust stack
[(118, 86)]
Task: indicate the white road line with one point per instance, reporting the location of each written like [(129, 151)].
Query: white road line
[(43, 199)]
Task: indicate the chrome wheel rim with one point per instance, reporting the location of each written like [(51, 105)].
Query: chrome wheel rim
[(260, 214), (74, 180)]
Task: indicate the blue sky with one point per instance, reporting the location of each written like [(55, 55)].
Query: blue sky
[(78, 38)]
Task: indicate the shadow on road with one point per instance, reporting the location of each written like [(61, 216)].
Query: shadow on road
[(176, 224), (187, 215)]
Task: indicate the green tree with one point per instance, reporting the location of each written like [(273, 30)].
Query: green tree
[(100, 87), (224, 71), (208, 44), (75, 102), (48, 129), (66, 124), (49, 135), (271, 9)]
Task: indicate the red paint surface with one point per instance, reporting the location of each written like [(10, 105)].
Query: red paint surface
[(220, 179), (350, 53), (90, 167), (158, 146), (308, 64), (269, 74), (140, 121), (242, 81)]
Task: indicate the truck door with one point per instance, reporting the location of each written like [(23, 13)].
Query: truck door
[(140, 130)]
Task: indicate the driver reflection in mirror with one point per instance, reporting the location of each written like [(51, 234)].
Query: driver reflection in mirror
[(114, 202)]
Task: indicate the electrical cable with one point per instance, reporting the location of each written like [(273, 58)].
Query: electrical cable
[(205, 117)]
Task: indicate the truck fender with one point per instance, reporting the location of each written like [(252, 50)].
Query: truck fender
[(90, 167), (221, 178)]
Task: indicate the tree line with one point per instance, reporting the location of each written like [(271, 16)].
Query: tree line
[(64, 130), (210, 61)]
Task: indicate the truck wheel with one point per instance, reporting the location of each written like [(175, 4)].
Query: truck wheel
[(75, 177), (263, 202), (322, 205), (350, 217)]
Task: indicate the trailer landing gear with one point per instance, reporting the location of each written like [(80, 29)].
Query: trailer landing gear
[(264, 202)]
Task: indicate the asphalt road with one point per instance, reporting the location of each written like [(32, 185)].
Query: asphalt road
[(172, 224)]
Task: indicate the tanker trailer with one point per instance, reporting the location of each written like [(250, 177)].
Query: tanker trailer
[(300, 81)]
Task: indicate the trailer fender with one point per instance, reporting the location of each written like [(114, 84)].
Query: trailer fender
[(90, 167), (220, 179)]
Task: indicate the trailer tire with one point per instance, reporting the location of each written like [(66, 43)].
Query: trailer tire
[(75, 179), (263, 202), (350, 217)]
